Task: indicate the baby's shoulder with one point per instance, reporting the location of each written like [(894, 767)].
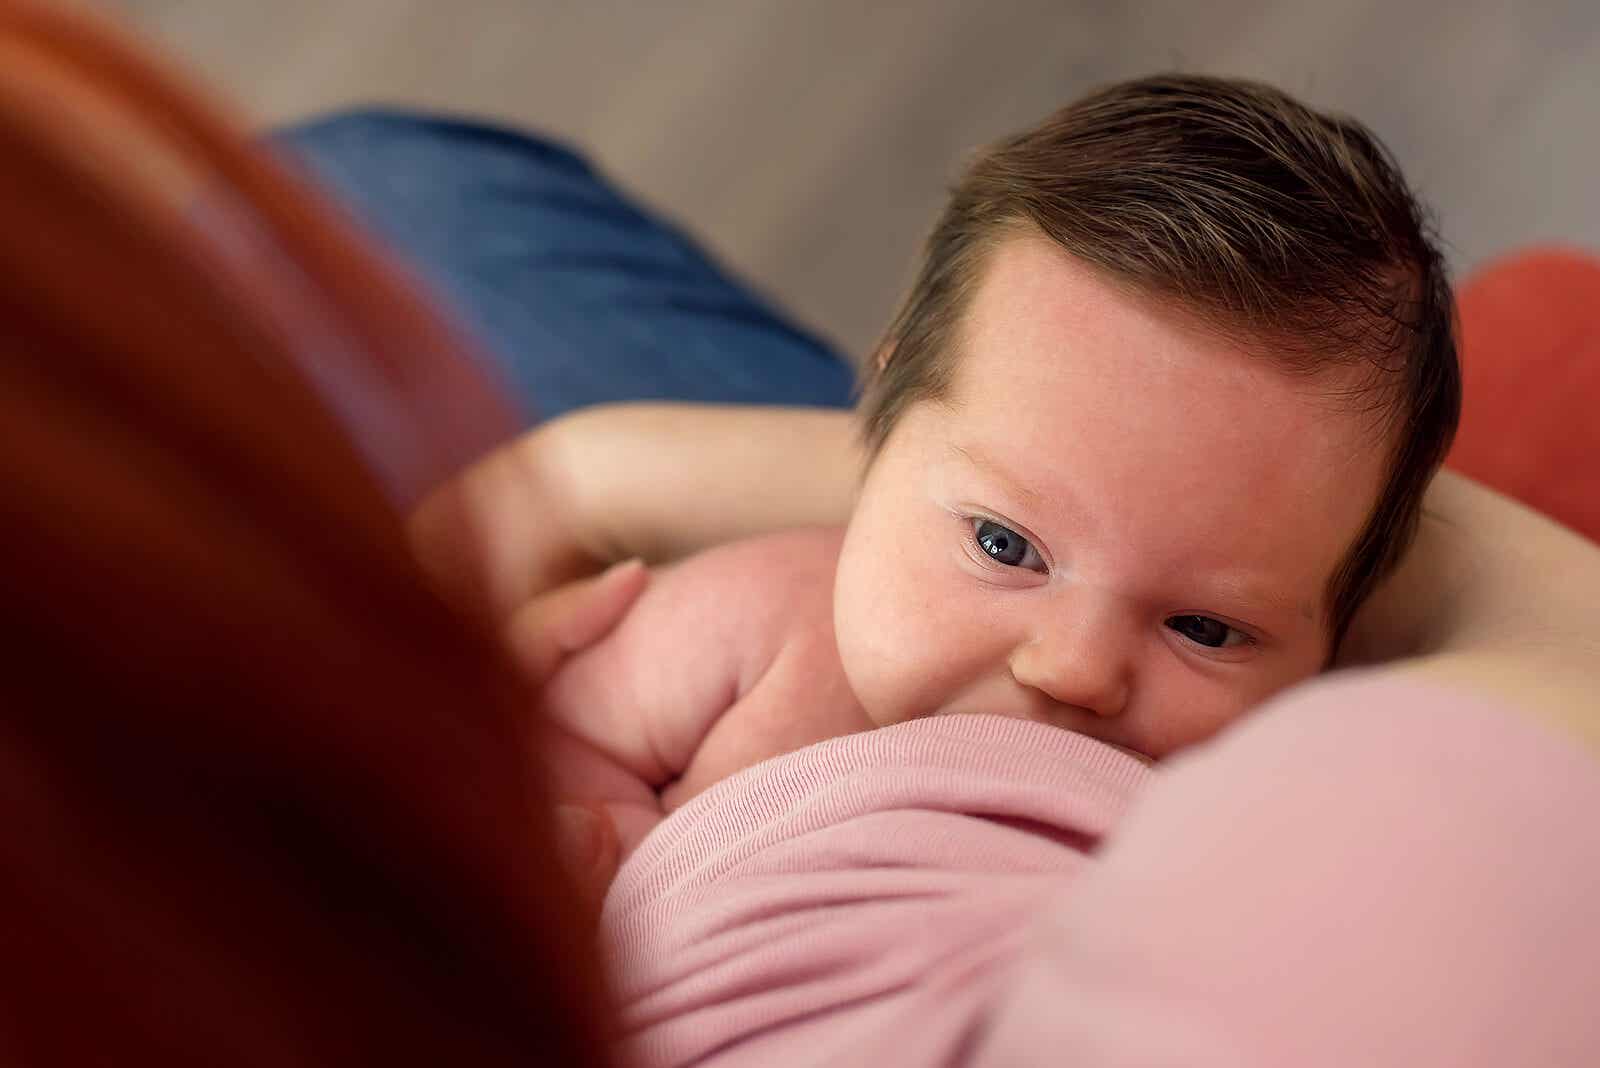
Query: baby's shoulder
[(768, 582), (800, 555), (787, 564)]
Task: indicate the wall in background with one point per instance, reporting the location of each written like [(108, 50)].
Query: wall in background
[(810, 141)]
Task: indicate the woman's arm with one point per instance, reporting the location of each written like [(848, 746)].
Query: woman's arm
[(655, 481), (1496, 599), (661, 481)]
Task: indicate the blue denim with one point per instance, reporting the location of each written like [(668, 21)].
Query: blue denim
[(578, 294)]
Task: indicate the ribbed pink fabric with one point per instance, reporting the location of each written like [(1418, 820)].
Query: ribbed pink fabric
[(1366, 873)]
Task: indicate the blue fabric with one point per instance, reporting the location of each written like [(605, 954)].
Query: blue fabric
[(580, 295)]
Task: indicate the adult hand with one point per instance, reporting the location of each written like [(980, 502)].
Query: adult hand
[(658, 481), (541, 634), (550, 627), (509, 529), (499, 539), (516, 534)]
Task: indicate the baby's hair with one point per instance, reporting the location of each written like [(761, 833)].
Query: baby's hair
[(1283, 228)]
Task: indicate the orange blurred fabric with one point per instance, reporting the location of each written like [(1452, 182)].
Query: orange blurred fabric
[(1530, 360)]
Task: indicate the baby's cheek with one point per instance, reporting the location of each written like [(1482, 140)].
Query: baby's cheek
[(867, 653), (1183, 713), (901, 665), (880, 649)]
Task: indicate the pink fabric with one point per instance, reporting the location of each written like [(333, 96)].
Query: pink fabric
[(1369, 872)]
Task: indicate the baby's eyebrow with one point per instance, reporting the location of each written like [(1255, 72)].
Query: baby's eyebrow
[(1250, 590), (1030, 498)]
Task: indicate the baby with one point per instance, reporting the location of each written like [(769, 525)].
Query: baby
[(1156, 416)]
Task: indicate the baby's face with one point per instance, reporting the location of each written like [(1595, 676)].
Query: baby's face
[(1116, 522)]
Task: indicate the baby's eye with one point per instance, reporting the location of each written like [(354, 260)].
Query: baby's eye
[(1203, 630), (1005, 546)]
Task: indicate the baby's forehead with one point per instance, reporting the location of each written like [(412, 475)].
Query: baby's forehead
[(1026, 277), (1138, 416)]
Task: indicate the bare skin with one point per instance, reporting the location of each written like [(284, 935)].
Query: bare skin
[(701, 679), (1058, 538), (1493, 597), (1114, 521)]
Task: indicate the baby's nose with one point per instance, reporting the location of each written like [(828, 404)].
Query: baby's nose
[(1079, 668)]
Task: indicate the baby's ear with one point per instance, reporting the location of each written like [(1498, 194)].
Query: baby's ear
[(881, 358)]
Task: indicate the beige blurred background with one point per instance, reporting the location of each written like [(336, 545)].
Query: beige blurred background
[(809, 141)]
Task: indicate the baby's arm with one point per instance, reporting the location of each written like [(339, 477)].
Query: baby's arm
[(728, 658)]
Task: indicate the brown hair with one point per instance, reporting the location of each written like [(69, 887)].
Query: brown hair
[(268, 799), (1280, 226)]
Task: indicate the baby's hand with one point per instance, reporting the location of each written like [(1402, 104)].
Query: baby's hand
[(727, 659)]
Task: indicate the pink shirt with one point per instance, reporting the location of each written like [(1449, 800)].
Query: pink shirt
[(1367, 872)]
